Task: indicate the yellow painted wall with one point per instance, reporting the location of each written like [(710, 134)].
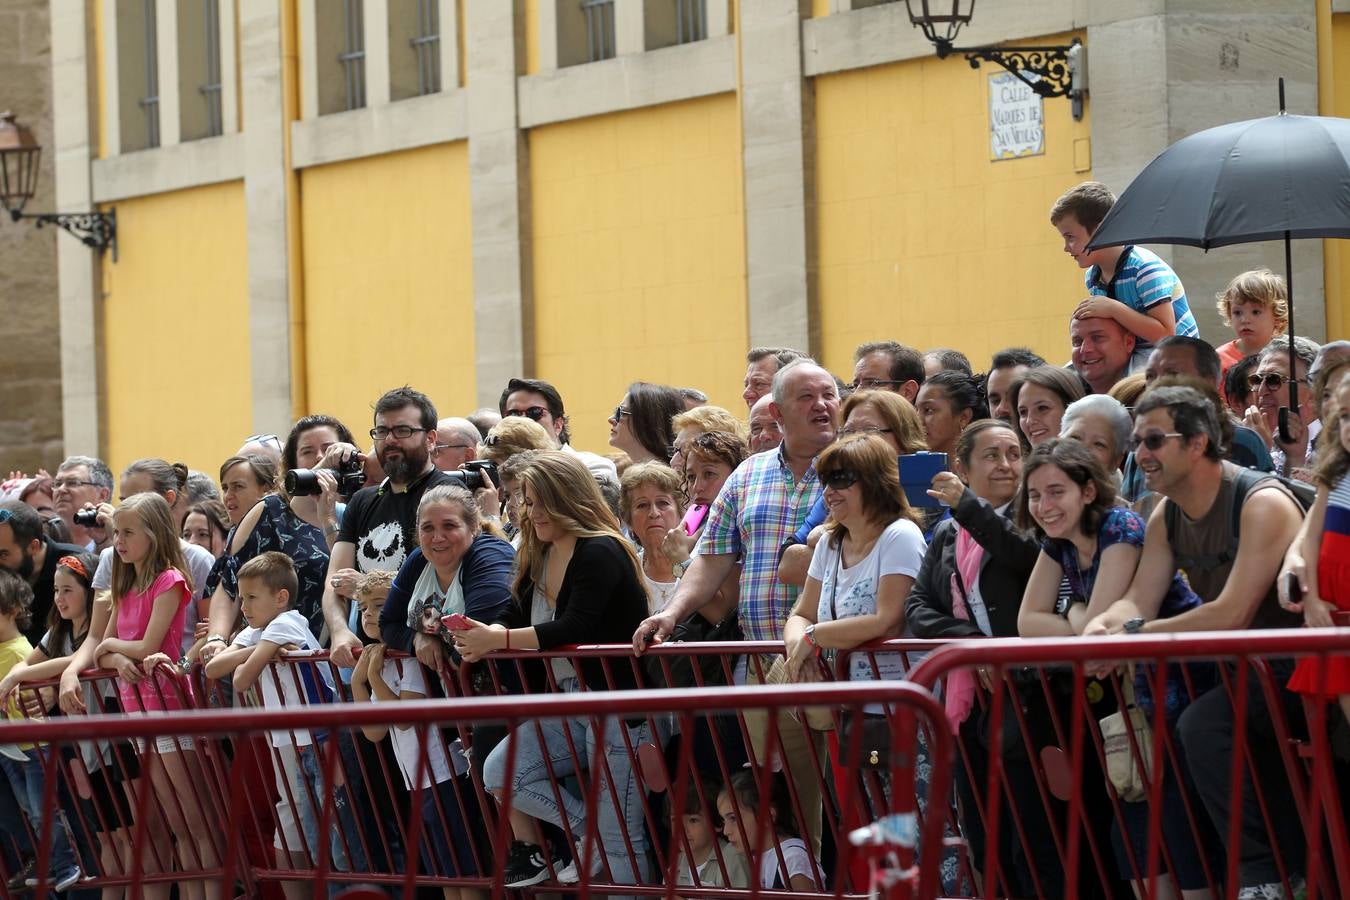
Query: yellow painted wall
[(924, 239), (1338, 251), (388, 281), (175, 326), (639, 256)]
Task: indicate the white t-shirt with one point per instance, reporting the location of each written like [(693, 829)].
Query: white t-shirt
[(795, 856), (314, 679), (408, 741), (848, 591)]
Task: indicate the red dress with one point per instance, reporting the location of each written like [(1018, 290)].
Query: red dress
[(1333, 583)]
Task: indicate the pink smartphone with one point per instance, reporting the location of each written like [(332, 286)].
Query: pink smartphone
[(693, 518), (456, 622)]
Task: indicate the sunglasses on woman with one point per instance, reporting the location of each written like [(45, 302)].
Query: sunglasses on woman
[(840, 479)]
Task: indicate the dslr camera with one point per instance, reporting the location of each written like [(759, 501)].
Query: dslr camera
[(86, 517), (350, 477), (470, 475)]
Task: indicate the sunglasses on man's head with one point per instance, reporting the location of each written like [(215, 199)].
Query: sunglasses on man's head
[(839, 479), (263, 439), (530, 412)]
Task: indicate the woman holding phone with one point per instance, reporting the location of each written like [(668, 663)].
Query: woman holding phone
[(577, 581), (456, 568), (709, 460), (970, 586)]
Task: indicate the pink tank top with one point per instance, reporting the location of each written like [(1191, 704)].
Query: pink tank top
[(133, 615)]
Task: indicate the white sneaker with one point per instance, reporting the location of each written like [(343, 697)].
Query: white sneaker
[(571, 873), (1273, 890)]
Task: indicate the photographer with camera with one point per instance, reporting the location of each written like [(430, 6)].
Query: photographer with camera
[(379, 527), (293, 521)]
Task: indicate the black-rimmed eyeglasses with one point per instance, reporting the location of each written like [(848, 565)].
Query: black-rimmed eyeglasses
[(402, 432)]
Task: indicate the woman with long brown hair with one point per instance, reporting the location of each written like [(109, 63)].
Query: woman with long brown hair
[(578, 581)]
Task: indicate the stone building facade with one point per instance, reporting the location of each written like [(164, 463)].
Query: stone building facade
[(30, 346)]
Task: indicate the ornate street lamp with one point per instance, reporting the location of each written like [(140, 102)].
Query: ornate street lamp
[(19, 155), (1059, 71)]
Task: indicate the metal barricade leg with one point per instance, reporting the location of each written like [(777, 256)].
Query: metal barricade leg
[(800, 753), (26, 778), (1206, 729), (619, 811)]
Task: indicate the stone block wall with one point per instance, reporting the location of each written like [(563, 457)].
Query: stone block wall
[(30, 351)]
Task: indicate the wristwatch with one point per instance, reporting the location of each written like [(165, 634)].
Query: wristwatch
[(809, 635), (1132, 626), (217, 637)]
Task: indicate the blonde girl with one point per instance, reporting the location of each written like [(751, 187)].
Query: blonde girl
[(151, 590)]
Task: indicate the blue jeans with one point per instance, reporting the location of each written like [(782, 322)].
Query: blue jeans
[(311, 784), (533, 794), (26, 778)]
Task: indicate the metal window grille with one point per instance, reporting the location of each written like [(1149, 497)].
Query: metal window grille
[(353, 56), (691, 20), (599, 29), (150, 102), (211, 90), (427, 46)]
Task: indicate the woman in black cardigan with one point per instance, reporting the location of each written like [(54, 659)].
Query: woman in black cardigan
[(969, 586), (578, 581)]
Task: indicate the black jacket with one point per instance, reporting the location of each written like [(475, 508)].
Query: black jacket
[(601, 601), (1011, 555)]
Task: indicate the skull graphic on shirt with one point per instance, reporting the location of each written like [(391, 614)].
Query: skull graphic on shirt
[(381, 549)]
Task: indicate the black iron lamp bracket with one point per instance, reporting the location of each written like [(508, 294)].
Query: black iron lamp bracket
[(93, 229), (1049, 71)]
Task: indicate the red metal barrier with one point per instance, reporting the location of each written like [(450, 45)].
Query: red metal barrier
[(1044, 766), (103, 797), (907, 706)]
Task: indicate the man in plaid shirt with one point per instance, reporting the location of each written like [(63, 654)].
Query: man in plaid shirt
[(762, 504)]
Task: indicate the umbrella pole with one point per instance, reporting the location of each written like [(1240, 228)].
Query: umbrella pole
[(1285, 436)]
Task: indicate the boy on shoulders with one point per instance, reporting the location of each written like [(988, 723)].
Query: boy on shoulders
[(1129, 284)]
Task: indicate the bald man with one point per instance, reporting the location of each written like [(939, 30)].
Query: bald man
[(456, 443)]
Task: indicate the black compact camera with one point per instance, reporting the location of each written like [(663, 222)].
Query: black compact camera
[(470, 475), (87, 518), (350, 475)]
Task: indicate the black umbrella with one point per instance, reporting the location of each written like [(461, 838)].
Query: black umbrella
[(1263, 179)]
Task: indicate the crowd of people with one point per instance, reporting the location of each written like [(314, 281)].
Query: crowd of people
[(1149, 486)]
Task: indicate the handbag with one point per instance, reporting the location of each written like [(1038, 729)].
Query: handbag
[(1128, 775), (873, 733), (818, 718)]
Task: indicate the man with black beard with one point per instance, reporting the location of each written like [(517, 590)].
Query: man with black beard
[(26, 552), (379, 527)]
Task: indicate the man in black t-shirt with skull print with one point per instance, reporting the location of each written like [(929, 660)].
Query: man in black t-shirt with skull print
[(379, 527)]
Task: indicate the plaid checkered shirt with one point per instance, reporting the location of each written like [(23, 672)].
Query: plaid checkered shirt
[(760, 506)]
